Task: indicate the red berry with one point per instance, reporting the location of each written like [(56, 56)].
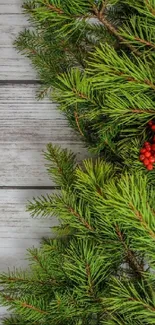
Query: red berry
[(150, 123), (143, 150), (153, 147), (141, 157), (148, 148), (153, 128), (149, 167), (147, 154), (151, 160), (146, 144), (146, 162)]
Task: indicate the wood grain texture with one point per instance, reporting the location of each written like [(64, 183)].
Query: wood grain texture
[(11, 6), (18, 230), (13, 66), (26, 126)]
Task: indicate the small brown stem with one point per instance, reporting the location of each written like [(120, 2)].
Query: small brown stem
[(152, 10), (24, 304), (61, 12), (140, 111), (58, 164), (77, 123), (131, 79), (104, 4), (139, 216), (144, 42), (99, 191), (79, 94), (130, 257), (89, 279), (144, 305), (54, 8), (149, 83), (33, 308), (82, 220), (35, 257), (113, 30)]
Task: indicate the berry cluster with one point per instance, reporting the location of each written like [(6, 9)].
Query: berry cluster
[(151, 124), (147, 153)]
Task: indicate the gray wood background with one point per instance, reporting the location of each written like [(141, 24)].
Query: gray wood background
[(26, 126)]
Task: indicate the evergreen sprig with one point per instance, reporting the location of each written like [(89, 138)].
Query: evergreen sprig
[(96, 59), (99, 269)]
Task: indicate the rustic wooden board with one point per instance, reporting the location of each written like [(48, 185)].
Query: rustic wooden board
[(13, 66), (11, 6), (26, 126), (18, 230)]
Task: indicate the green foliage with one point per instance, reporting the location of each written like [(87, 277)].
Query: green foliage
[(96, 59), (99, 269), (61, 165)]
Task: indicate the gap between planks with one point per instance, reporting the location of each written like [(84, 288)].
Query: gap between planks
[(19, 82), (30, 187)]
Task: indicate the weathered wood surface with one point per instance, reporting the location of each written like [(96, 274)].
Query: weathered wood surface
[(13, 66), (18, 230), (26, 126)]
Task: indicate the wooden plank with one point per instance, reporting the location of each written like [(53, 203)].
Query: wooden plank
[(11, 7), (18, 231), (13, 66), (26, 126)]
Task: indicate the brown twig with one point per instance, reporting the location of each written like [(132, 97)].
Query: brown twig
[(100, 15), (144, 42), (79, 94), (33, 308), (81, 219), (77, 123), (139, 216), (152, 10), (149, 83), (140, 111), (130, 257), (50, 281), (103, 7), (61, 12), (89, 279), (131, 79), (144, 305), (54, 8), (24, 304)]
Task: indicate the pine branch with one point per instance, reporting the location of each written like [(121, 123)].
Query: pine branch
[(23, 305), (101, 17), (127, 296), (61, 165)]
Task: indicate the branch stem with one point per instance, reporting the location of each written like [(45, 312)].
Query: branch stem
[(77, 123), (113, 30), (130, 257)]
